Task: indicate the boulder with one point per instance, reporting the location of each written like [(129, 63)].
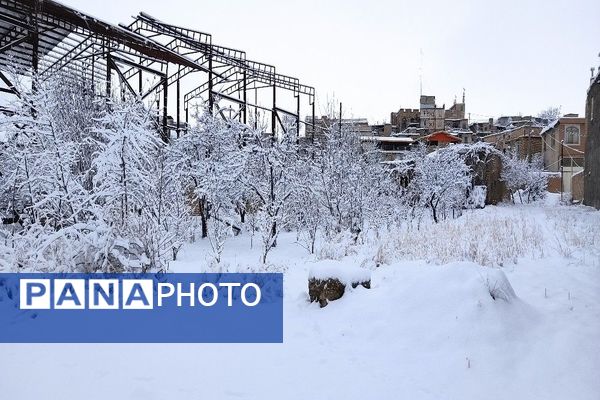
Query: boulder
[(328, 281)]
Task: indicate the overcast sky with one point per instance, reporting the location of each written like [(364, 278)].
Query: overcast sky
[(511, 56)]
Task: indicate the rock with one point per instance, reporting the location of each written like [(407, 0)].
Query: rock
[(325, 291), (328, 281)]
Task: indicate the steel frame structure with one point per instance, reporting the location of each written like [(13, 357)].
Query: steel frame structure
[(44, 38), (231, 75)]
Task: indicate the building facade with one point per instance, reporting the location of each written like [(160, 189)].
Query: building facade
[(405, 118), (483, 128), (591, 174), (432, 117), (360, 126), (564, 143), (563, 150), (429, 118), (390, 148), (455, 117)]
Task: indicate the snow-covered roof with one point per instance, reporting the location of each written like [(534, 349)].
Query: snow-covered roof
[(550, 126), (512, 129), (391, 139)]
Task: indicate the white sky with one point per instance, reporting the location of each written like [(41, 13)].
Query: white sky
[(511, 56)]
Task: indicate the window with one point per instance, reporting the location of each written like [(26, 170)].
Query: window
[(572, 162), (572, 134)]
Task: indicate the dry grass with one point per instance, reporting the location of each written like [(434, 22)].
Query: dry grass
[(488, 240)]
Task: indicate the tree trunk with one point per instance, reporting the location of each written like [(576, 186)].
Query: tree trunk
[(274, 234), (433, 211), (203, 219)]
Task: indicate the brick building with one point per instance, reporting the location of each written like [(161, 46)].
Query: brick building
[(571, 131), (405, 118), (591, 194), (524, 140), (563, 149), (454, 117), (430, 118)]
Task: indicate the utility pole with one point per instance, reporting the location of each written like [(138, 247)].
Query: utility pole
[(314, 127), (340, 117), (529, 146), (561, 169)]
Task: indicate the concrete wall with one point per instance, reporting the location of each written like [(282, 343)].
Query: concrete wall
[(577, 186)]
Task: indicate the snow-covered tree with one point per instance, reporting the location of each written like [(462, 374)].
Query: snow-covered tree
[(45, 176), (550, 114), (440, 180), (271, 168), (129, 185), (209, 161), (306, 204), (524, 177), (348, 177)]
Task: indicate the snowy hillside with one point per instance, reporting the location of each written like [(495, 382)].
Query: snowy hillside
[(427, 329)]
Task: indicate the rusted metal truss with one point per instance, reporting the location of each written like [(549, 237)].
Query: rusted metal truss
[(46, 38)]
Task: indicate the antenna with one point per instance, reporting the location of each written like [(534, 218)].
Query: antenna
[(421, 72)]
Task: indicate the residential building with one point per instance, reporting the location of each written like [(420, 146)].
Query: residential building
[(465, 135), (384, 130), (454, 117), (524, 140), (515, 121), (563, 149), (406, 118), (483, 128), (431, 116), (360, 126), (440, 139), (571, 132), (591, 174), (390, 147)]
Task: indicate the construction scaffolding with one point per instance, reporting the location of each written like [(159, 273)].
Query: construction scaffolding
[(146, 59)]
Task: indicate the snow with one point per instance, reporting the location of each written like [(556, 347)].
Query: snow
[(391, 139), (425, 329), (347, 274)]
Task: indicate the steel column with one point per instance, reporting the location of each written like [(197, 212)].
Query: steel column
[(178, 107)]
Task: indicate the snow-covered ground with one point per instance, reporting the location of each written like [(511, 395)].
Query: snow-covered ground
[(427, 329)]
